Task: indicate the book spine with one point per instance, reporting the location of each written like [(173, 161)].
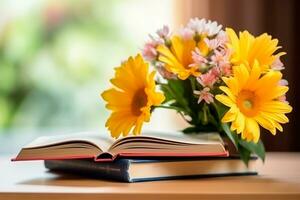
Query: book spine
[(117, 170)]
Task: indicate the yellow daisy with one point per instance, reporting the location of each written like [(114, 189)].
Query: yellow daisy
[(253, 100), (132, 97), (246, 49), (178, 58)]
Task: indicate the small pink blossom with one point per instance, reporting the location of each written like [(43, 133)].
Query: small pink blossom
[(186, 33), (282, 99), (226, 69), (277, 64), (283, 82), (212, 43), (149, 51), (198, 58), (222, 37), (209, 79), (219, 41), (215, 71), (221, 60), (220, 56), (164, 32), (205, 95), (165, 73)]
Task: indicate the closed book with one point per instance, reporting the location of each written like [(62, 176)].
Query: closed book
[(137, 170)]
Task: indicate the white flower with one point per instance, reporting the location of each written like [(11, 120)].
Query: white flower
[(204, 27), (212, 28), (197, 25)]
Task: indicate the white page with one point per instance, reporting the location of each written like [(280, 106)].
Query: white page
[(103, 141), (199, 138)]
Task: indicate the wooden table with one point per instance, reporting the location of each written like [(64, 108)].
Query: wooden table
[(279, 179)]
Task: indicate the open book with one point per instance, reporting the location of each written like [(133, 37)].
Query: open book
[(101, 148)]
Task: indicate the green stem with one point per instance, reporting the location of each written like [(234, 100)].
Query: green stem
[(217, 110), (167, 107), (193, 84), (178, 99)]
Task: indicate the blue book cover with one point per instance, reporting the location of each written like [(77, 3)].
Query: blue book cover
[(137, 170)]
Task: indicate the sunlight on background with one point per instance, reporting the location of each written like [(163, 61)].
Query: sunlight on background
[(57, 56)]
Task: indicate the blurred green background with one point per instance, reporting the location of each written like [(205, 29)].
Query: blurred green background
[(57, 56)]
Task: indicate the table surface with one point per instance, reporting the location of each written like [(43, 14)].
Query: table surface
[(279, 178)]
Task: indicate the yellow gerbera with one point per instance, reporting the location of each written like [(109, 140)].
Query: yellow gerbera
[(253, 100), (132, 98), (246, 49), (178, 58)]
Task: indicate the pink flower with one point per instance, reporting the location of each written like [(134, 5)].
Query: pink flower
[(165, 73), (209, 79), (164, 32), (219, 41), (225, 69), (220, 56), (149, 51), (283, 99), (277, 64), (186, 33), (205, 95), (198, 58), (283, 82), (222, 37), (213, 43), (221, 60)]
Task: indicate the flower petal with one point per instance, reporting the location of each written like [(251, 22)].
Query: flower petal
[(225, 100)]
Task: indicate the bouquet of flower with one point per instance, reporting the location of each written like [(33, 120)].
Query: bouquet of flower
[(215, 79)]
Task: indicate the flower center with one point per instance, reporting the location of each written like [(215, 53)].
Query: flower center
[(248, 103), (139, 100)]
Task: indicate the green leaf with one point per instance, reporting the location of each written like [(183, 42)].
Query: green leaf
[(220, 109), (174, 90), (257, 148), (245, 154), (191, 129), (178, 109), (200, 129), (232, 136), (166, 90), (244, 147)]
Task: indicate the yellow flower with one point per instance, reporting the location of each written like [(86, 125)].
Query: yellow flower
[(132, 98), (178, 58), (246, 49), (253, 100)]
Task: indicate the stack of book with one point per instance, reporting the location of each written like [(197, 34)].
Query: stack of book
[(152, 156)]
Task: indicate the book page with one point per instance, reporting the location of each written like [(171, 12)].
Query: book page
[(102, 141), (192, 138)]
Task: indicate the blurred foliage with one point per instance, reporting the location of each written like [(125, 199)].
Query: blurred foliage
[(52, 63)]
